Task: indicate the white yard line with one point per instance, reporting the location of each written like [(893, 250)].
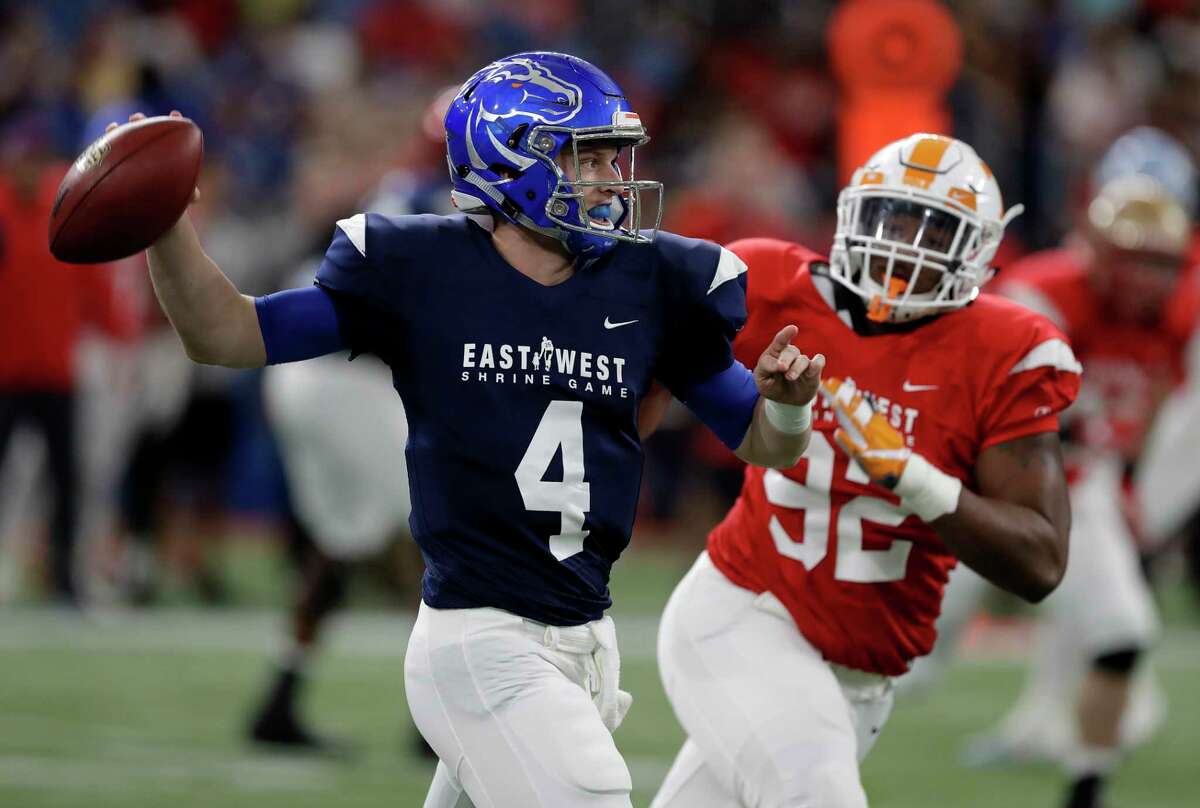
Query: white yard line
[(103, 773), (381, 635), (360, 634), (135, 774)]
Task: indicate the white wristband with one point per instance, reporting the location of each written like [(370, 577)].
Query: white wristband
[(926, 490), (790, 419)]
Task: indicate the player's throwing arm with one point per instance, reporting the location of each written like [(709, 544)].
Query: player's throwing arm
[(216, 323)]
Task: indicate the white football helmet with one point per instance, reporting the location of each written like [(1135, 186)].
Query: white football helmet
[(924, 204)]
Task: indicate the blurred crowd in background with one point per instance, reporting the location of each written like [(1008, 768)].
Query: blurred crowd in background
[(315, 109)]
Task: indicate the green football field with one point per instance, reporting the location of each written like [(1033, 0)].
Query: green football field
[(146, 709)]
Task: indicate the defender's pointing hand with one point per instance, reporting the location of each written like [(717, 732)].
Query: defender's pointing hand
[(784, 374)]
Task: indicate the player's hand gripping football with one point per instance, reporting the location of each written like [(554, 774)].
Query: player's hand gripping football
[(865, 435), (881, 451), (141, 116), (784, 374)]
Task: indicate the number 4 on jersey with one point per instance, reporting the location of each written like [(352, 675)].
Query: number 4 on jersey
[(561, 425)]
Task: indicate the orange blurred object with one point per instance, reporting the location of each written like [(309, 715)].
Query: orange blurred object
[(895, 60)]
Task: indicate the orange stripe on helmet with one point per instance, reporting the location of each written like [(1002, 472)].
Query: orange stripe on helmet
[(963, 195), (923, 163)]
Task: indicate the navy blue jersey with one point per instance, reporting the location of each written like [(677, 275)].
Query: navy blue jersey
[(522, 399)]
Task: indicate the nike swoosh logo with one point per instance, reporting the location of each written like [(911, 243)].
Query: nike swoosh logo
[(918, 388), (611, 325)]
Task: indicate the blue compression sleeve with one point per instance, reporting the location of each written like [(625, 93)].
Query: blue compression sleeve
[(298, 324), (725, 403)]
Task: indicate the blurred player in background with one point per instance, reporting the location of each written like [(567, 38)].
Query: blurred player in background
[(524, 482), (340, 432), (1167, 478), (936, 442), (1123, 295), (44, 310), (1125, 291)]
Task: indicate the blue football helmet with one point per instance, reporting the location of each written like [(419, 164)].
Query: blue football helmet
[(507, 127)]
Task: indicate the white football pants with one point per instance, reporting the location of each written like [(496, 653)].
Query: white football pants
[(770, 723), (341, 432), (520, 714)]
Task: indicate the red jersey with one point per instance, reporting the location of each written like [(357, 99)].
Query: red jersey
[(860, 575), (1128, 368), (46, 304)]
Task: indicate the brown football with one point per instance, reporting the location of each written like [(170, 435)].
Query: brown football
[(126, 190)]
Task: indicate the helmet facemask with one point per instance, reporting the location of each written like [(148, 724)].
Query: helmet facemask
[(910, 255), (567, 205)]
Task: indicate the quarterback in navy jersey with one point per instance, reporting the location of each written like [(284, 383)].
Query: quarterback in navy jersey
[(522, 335), (527, 376)]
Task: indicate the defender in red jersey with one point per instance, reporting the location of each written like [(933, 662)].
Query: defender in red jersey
[(936, 441)]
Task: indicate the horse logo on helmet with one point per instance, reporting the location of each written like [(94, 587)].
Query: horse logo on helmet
[(527, 89)]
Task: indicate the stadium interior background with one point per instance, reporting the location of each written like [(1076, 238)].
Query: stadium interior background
[(310, 109)]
